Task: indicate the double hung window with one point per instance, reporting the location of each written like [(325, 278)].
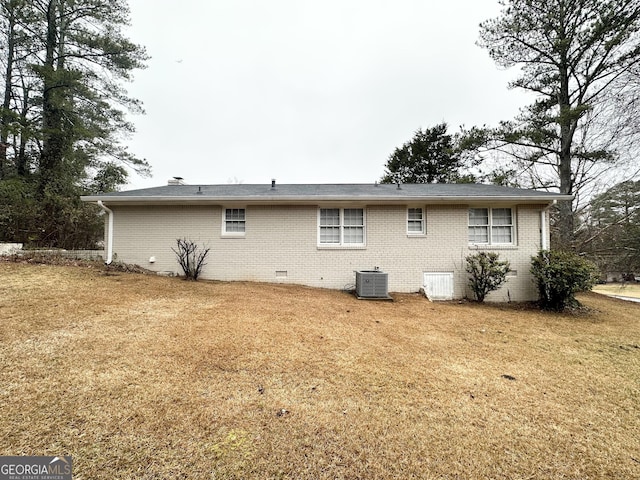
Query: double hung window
[(492, 226), (234, 221), (341, 226), (415, 221)]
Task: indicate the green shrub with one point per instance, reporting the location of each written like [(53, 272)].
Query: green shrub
[(560, 275), (487, 273)]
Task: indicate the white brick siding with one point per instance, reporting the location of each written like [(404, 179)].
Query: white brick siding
[(284, 239)]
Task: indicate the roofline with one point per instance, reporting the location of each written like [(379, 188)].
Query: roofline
[(313, 200)]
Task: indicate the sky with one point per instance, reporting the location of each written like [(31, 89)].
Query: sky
[(305, 91)]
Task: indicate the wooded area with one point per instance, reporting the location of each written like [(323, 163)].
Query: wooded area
[(63, 116)]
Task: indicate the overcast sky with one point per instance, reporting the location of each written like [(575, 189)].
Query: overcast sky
[(305, 91)]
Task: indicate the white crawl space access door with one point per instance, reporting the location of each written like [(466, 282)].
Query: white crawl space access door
[(438, 285)]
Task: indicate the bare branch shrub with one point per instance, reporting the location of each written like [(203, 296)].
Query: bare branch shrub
[(190, 257)]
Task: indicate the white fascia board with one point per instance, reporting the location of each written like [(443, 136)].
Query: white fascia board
[(314, 200)]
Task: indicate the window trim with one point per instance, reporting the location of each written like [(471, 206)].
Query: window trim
[(490, 226), (224, 222), (341, 225), (423, 221)]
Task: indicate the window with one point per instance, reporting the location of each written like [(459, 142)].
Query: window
[(234, 221), (501, 225), (415, 221), (491, 225), (478, 225), (341, 226)]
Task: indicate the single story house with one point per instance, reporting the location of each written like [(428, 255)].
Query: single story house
[(321, 234)]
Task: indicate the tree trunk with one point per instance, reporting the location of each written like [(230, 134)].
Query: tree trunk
[(52, 147), (21, 157), (565, 209), (8, 89), (566, 124)]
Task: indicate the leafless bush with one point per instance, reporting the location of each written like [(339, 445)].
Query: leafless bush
[(190, 257)]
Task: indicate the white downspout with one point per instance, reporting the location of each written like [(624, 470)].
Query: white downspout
[(109, 246), (544, 244)]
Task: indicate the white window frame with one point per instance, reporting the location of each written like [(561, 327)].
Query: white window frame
[(490, 226), (236, 234), (423, 221), (341, 243)]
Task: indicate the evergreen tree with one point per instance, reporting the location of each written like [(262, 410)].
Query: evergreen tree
[(64, 112), (580, 58), (431, 156), (611, 234)]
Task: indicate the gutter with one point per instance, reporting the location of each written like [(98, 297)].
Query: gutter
[(314, 200), (109, 246)]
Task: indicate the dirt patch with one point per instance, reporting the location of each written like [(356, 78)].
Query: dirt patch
[(139, 376)]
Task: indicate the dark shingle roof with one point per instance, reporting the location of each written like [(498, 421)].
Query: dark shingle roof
[(309, 193)]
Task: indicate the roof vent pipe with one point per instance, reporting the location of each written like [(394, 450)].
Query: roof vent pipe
[(199, 191), (399, 187), (273, 184)]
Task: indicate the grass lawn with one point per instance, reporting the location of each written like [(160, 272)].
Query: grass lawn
[(145, 377)]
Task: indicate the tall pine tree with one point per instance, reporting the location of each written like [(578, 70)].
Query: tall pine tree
[(579, 58), (64, 110)]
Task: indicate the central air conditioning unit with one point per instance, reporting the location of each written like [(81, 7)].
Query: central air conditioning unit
[(372, 284)]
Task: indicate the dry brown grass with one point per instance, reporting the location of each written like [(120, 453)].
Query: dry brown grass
[(144, 377)]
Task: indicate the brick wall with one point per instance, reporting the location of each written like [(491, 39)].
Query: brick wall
[(280, 245)]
